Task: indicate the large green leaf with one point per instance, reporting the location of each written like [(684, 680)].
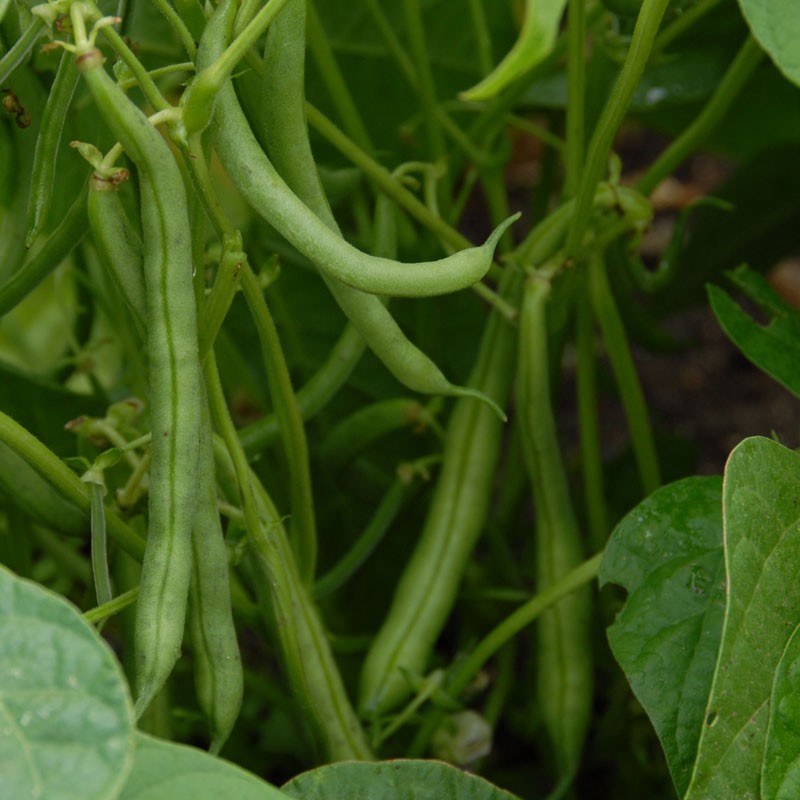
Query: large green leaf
[(166, 771), (667, 554), (390, 780), (781, 776), (66, 720), (775, 347), (762, 557), (776, 25)]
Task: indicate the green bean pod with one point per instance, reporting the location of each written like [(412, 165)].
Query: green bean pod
[(175, 384), (428, 586), (287, 138), (119, 246), (218, 674), (265, 190), (564, 674), (47, 144), (284, 127)]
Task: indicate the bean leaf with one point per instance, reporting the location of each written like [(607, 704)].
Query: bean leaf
[(762, 557), (390, 780), (776, 26), (774, 347), (164, 770), (66, 719), (781, 776), (667, 554)]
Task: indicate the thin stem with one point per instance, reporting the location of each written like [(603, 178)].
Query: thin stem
[(160, 72), (306, 652), (538, 131), (102, 577), (630, 389), (290, 423), (517, 621), (336, 86), (483, 42), (106, 610), (681, 24), (576, 74), (644, 34), (178, 26), (425, 83), (223, 67), (591, 454), (64, 481), (146, 83), (735, 79)]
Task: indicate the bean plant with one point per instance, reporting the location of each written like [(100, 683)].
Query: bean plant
[(312, 317)]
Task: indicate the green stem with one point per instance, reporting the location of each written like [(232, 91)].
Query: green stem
[(630, 389), (739, 73), (615, 109), (591, 454), (146, 83), (681, 24), (102, 577), (576, 73), (425, 83), (483, 42), (178, 26), (306, 651), (469, 667), (224, 66), (106, 610), (290, 423), (64, 481), (405, 199), (336, 86)]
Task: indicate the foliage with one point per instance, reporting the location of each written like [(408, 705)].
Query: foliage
[(310, 320)]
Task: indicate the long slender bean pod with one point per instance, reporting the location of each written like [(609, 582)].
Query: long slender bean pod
[(428, 586), (306, 652), (564, 674), (119, 246), (47, 144), (286, 137), (218, 675), (174, 375), (262, 186)]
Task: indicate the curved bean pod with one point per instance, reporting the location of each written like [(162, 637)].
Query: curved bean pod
[(284, 127), (428, 586), (265, 190), (175, 385)]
